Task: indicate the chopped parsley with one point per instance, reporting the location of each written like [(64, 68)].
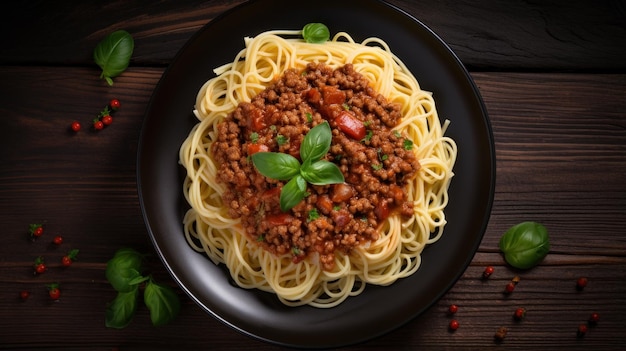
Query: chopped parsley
[(281, 139), (368, 136), (313, 215), (381, 156), (408, 144)]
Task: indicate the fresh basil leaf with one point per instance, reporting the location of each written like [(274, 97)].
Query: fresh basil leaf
[(123, 280), (292, 193), (124, 269), (162, 302), (321, 172), (315, 33), (121, 310), (524, 245), (276, 165), (113, 54), (316, 142), (138, 280)]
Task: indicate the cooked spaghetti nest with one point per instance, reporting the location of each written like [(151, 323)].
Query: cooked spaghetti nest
[(397, 252)]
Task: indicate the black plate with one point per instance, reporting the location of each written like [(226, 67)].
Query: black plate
[(379, 309)]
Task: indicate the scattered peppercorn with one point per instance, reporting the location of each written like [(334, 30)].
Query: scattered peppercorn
[(454, 325), (488, 272), (582, 330), (57, 240), (54, 292), (40, 265), (581, 283), (97, 124), (519, 314), (115, 104), (594, 318), (24, 295), (500, 334), (69, 258), (453, 309), (75, 126), (510, 286), (35, 230), (107, 120)]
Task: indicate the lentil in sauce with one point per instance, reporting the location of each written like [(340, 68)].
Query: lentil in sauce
[(376, 161)]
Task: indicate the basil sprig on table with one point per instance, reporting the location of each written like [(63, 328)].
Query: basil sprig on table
[(113, 54), (524, 245), (123, 272), (315, 33), (313, 169)]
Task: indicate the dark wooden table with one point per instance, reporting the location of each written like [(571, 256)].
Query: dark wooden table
[(553, 78)]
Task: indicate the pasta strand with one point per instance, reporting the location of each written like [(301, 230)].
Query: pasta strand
[(397, 253)]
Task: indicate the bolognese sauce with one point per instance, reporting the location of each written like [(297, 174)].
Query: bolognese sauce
[(377, 163)]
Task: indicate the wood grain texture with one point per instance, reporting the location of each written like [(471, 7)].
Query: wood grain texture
[(495, 35), (554, 85), (563, 167)]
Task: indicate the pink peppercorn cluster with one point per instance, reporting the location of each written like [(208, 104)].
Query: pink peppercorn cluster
[(519, 313)]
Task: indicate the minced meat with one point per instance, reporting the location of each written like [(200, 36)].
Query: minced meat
[(376, 162)]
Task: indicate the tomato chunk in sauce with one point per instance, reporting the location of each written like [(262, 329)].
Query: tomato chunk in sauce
[(371, 155)]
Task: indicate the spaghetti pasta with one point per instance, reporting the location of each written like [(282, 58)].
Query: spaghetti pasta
[(396, 253)]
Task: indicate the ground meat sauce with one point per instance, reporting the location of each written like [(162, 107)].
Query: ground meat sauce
[(375, 160)]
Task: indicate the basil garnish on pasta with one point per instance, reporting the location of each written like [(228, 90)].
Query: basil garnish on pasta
[(313, 169), (315, 33), (328, 246)]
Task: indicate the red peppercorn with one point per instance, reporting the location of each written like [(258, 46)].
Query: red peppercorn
[(24, 294), (58, 240), (453, 309), (594, 318), (69, 258), (115, 104), (107, 120), (40, 266), (488, 272), (519, 314), (581, 283), (454, 325), (75, 126), (98, 125), (510, 286), (582, 330), (35, 230), (500, 334), (54, 291)]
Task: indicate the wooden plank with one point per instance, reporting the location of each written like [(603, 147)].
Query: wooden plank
[(495, 35), (538, 151), (565, 167)]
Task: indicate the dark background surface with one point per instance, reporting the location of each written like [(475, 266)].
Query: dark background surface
[(553, 78)]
